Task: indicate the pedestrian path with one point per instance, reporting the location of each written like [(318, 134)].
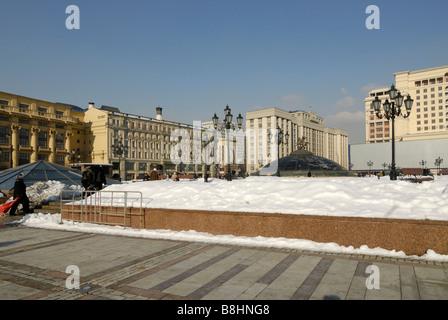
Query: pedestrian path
[(39, 264)]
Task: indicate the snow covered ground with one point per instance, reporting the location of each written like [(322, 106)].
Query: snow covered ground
[(362, 197), (354, 197)]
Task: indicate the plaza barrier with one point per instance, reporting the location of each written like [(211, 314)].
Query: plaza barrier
[(104, 207)]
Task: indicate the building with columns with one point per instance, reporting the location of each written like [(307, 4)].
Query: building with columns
[(32, 130), (300, 130)]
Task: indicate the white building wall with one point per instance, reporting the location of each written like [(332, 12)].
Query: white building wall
[(408, 154)]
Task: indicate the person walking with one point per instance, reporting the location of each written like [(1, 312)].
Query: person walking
[(20, 193), (100, 179), (87, 181)]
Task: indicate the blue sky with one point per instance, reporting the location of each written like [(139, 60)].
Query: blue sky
[(193, 57)]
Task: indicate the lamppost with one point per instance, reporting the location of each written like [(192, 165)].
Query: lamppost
[(391, 110), (227, 122), (423, 163), (370, 164), (118, 150), (279, 142), (72, 157), (438, 162)]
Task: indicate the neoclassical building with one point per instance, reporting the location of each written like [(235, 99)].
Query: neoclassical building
[(32, 130), (134, 144)]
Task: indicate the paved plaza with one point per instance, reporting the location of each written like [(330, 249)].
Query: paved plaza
[(38, 264)]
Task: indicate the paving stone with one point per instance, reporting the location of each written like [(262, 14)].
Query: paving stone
[(33, 262)]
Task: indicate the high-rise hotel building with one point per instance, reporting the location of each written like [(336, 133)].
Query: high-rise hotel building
[(429, 116), (304, 129)]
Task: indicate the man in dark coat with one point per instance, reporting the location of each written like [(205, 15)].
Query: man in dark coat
[(100, 179), (20, 192)]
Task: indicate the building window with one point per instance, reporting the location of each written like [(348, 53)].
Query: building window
[(60, 159), (4, 132), (24, 137), (59, 140), (42, 157), (59, 114), (42, 139), (23, 107), (24, 158)]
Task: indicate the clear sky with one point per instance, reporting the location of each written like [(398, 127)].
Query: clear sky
[(193, 57)]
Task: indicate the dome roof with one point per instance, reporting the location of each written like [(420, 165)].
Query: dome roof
[(300, 162)]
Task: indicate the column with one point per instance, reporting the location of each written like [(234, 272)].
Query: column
[(68, 146), (15, 145), (34, 144), (52, 145)]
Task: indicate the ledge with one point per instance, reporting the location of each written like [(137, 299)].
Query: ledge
[(413, 237)]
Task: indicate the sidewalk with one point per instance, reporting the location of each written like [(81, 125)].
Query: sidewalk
[(33, 266)]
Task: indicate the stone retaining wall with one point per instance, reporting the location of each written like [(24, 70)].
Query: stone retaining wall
[(414, 237)]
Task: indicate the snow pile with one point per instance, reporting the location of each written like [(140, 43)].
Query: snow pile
[(48, 191), (347, 196)]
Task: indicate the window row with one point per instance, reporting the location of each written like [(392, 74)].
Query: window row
[(430, 81)]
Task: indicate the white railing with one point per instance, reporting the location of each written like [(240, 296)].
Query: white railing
[(94, 206)]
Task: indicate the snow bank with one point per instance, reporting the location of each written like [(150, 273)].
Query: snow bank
[(49, 191), (353, 197)]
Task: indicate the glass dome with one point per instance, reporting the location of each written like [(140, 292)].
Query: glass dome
[(302, 163)]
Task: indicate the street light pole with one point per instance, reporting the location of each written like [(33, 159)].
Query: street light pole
[(370, 164), (227, 125), (438, 162), (279, 142), (422, 163), (391, 110), (118, 150)]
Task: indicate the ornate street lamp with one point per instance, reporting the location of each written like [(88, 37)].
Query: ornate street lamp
[(369, 164), (279, 142), (422, 163), (438, 162), (227, 122), (118, 150), (391, 110)]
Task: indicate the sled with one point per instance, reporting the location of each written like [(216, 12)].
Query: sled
[(6, 206)]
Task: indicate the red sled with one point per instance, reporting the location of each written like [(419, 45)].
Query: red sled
[(6, 206)]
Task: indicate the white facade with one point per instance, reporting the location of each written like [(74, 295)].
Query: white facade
[(302, 127), (408, 154)]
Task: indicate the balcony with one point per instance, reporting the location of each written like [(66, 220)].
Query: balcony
[(35, 113)]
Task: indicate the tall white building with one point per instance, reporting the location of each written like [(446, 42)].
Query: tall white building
[(300, 129), (429, 116)]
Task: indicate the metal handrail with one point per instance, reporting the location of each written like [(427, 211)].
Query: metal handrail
[(95, 202)]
